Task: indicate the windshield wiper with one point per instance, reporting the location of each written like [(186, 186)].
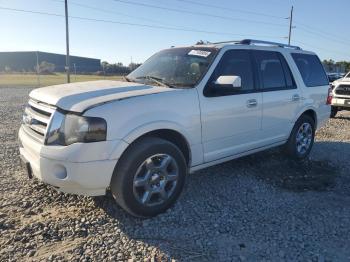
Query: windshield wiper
[(157, 80)]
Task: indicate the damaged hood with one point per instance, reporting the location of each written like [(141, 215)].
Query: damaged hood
[(78, 97)]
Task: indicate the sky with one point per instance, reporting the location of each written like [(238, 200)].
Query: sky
[(320, 26)]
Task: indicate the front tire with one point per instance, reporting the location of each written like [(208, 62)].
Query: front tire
[(149, 177), (302, 138)]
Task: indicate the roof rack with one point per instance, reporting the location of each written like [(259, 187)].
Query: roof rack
[(228, 42), (259, 42)]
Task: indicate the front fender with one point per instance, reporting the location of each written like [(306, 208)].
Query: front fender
[(157, 125), (146, 128)]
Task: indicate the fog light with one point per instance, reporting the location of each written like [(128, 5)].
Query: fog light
[(60, 172)]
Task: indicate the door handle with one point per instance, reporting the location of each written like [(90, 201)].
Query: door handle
[(252, 103), (295, 98)]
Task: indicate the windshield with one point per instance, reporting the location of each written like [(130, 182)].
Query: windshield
[(348, 75), (176, 67)]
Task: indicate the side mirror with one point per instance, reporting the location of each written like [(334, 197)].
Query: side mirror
[(233, 82)]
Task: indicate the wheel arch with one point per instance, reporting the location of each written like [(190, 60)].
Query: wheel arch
[(172, 136), (309, 112), (168, 131), (312, 113)]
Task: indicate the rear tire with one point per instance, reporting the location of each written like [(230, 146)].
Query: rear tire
[(149, 177), (334, 112), (302, 138)]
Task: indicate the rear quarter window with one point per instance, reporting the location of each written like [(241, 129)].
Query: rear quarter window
[(311, 69)]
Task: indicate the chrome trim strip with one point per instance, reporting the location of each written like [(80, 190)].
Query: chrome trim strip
[(38, 128), (33, 134), (41, 106), (36, 115)]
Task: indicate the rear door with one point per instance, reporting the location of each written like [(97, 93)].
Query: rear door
[(280, 95)]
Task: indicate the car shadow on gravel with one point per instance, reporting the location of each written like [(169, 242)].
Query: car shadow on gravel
[(271, 167), (275, 168)]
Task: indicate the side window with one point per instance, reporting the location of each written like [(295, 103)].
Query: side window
[(233, 63), (273, 70), (311, 69)]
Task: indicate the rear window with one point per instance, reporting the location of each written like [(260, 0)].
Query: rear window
[(311, 70)]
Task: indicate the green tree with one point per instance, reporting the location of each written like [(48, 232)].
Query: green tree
[(45, 68)]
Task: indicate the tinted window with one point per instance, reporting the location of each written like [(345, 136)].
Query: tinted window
[(271, 71), (311, 69), (236, 63)]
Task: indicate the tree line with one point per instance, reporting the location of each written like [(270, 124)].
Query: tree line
[(45, 67), (118, 68), (340, 66)]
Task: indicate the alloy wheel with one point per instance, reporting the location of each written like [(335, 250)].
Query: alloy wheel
[(155, 180), (304, 138)]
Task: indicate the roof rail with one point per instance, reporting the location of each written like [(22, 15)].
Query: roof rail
[(227, 42), (260, 42)]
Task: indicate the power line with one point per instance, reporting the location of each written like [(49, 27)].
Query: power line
[(321, 48), (153, 26), (222, 17), (311, 30), (317, 30), (323, 36), (198, 13), (230, 9), (111, 12), (126, 23), (141, 18)]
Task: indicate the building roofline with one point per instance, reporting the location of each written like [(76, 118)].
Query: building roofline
[(42, 52)]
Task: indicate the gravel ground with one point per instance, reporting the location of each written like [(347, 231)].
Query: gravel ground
[(262, 207)]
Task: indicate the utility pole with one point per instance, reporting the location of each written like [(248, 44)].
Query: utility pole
[(67, 43), (290, 24), (37, 67), (75, 72)]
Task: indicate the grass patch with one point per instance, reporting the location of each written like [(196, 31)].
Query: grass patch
[(31, 80)]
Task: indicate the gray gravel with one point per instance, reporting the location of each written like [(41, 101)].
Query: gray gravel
[(259, 208)]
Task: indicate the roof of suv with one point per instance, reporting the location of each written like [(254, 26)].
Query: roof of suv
[(253, 43)]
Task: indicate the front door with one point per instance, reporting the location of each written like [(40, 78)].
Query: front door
[(231, 119)]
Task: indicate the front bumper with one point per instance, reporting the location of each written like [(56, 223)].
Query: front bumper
[(84, 169)]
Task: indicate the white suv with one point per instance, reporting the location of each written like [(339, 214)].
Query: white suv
[(183, 110), (341, 95)]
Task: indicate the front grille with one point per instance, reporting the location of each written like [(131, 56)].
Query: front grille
[(36, 119), (343, 90)]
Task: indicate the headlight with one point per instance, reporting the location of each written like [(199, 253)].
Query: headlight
[(69, 129)]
